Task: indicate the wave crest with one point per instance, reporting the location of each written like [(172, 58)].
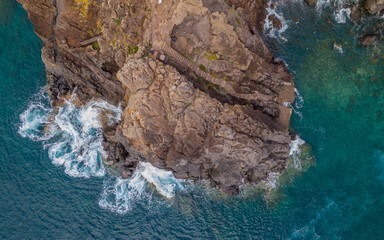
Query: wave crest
[(148, 185), (73, 136)]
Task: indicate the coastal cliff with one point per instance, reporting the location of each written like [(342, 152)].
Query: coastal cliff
[(202, 95)]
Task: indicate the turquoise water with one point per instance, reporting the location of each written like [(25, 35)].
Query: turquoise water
[(340, 115)]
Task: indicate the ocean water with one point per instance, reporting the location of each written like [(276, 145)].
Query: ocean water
[(54, 184)]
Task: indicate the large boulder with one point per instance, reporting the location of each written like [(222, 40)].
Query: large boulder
[(355, 14), (367, 40), (374, 6)]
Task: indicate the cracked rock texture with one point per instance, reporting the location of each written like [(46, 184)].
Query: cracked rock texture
[(172, 118)]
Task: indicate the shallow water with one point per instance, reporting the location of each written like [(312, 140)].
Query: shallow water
[(340, 114)]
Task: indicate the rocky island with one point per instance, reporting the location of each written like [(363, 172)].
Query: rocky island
[(202, 95)]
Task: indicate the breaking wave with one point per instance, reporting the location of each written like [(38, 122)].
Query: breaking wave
[(272, 182), (120, 195), (295, 152), (73, 137), (299, 103), (34, 119), (72, 134), (273, 10), (341, 13)]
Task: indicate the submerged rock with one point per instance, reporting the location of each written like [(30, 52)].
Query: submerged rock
[(367, 40)]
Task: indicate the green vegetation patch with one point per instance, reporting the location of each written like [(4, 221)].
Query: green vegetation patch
[(132, 50), (95, 45), (211, 56)]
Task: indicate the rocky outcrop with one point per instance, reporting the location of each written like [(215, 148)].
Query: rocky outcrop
[(205, 122), (255, 12), (90, 69), (374, 6), (367, 40), (173, 125), (355, 14)]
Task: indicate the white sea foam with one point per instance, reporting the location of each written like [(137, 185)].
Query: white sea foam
[(120, 195), (73, 136), (271, 182), (34, 119), (341, 8), (295, 151), (164, 181), (342, 14), (78, 137), (268, 24), (299, 103)]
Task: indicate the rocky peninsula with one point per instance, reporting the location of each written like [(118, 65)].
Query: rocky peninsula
[(202, 95)]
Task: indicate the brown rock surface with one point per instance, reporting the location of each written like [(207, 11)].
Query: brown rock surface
[(175, 126), (367, 40), (374, 6), (355, 14), (311, 3), (175, 118)]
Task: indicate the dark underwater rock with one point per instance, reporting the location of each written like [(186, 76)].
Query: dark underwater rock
[(311, 3), (367, 40), (374, 6)]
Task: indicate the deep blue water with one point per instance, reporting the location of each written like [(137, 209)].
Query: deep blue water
[(341, 116)]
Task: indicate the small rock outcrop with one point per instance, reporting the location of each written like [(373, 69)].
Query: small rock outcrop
[(367, 40), (276, 23), (355, 14)]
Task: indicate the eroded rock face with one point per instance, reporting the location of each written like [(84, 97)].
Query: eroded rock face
[(175, 126), (173, 118), (255, 12), (66, 25)]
